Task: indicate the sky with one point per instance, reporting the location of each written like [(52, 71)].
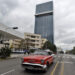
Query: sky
[(21, 13)]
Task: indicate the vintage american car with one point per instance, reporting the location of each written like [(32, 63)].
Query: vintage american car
[(39, 60)]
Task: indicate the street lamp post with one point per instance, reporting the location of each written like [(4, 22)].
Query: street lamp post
[(14, 27), (10, 28), (3, 36)]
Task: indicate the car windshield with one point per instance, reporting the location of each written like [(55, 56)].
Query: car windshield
[(40, 53)]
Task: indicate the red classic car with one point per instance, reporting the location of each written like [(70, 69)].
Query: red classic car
[(39, 60)]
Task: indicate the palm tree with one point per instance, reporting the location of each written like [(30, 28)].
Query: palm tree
[(27, 43), (22, 44)]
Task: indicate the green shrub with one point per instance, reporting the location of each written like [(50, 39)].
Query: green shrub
[(5, 52), (32, 50)]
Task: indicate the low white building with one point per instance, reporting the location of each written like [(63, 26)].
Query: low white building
[(35, 40), (7, 33)]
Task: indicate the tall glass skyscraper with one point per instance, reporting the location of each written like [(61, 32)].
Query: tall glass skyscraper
[(44, 20)]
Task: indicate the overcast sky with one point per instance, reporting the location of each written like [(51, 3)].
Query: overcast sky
[(21, 13)]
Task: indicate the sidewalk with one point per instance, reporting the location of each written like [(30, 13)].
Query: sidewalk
[(14, 56), (17, 55)]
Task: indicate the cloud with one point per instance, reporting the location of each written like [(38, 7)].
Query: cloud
[(21, 13), (64, 22), (18, 13)]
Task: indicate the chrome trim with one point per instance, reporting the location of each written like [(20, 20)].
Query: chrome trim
[(43, 66)]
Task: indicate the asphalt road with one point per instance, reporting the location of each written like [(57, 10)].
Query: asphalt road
[(63, 65)]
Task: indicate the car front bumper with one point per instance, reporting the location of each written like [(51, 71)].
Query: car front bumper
[(34, 66)]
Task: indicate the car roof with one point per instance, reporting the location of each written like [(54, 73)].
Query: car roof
[(47, 50)]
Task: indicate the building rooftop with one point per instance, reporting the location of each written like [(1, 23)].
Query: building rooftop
[(9, 31)]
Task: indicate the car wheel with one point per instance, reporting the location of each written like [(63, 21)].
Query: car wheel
[(48, 64), (52, 62), (45, 70)]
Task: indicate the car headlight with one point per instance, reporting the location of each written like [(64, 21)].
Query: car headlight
[(42, 61)]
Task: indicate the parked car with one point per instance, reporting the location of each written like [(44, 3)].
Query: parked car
[(39, 60)]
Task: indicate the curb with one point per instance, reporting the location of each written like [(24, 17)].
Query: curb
[(7, 58)]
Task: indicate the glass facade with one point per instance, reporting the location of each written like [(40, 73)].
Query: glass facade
[(44, 20)]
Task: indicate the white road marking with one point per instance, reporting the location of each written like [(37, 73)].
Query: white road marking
[(67, 62), (59, 56), (7, 72), (66, 57), (73, 57)]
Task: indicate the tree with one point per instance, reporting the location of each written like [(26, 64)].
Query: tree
[(49, 45), (27, 43), (24, 44), (61, 52), (72, 51)]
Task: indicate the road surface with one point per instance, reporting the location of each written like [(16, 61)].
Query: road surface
[(63, 65)]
